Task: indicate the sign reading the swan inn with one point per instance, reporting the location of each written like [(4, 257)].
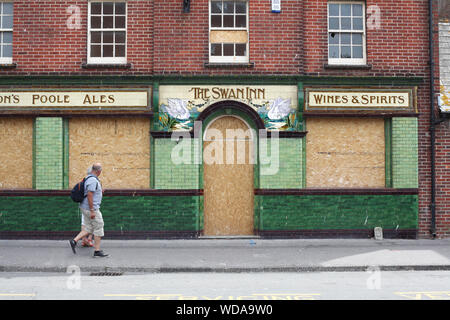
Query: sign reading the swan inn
[(179, 106), (318, 99), (80, 99)]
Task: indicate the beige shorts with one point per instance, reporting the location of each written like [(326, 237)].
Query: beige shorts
[(94, 226)]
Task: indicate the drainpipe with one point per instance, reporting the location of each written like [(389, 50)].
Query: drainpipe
[(432, 122)]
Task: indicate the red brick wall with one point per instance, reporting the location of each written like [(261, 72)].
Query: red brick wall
[(443, 179), (181, 44), (181, 39), (398, 48), (43, 44), (278, 42)]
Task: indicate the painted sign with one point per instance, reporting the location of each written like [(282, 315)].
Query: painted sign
[(359, 100), (179, 106), (276, 6), (79, 99)]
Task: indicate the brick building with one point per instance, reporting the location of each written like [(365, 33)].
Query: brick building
[(443, 139), (329, 102)]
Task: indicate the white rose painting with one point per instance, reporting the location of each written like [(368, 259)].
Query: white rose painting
[(279, 109), (278, 115), (177, 109)]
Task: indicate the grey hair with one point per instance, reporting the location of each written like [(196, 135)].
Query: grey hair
[(96, 167), (89, 170)]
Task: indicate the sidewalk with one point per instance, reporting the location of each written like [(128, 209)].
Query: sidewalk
[(228, 255)]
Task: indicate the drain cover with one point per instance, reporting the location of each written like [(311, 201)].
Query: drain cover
[(106, 274)]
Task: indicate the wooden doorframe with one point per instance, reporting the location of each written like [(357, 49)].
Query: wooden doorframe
[(254, 121)]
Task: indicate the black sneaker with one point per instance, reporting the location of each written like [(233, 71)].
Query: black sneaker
[(100, 254), (73, 244)]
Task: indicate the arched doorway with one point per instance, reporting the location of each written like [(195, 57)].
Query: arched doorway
[(228, 176)]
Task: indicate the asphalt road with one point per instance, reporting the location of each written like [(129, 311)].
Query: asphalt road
[(370, 285)]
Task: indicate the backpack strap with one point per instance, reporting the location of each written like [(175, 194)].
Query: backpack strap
[(85, 179)]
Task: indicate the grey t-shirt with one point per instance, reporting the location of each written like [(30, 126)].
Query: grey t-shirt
[(92, 184)]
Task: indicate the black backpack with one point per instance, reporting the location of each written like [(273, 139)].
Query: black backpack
[(77, 193)]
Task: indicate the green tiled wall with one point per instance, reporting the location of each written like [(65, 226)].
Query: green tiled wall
[(60, 213), (49, 153), (184, 213), (292, 212), (404, 153), (290, 164), (170, 175)]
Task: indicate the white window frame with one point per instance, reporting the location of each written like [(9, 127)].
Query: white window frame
[(7, 60), (107, 60), (228, 59), (347, 61)]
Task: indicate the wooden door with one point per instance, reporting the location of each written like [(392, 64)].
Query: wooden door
[(228, 178)]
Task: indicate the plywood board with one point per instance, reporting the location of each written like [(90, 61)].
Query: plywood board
[(121, 145), (228, 37), (16, 156), (345, 153), (228, 186)]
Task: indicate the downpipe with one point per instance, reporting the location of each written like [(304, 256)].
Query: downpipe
[(432, 122)]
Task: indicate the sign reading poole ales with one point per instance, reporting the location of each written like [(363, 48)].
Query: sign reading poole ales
[(17, 100), (359, 100)]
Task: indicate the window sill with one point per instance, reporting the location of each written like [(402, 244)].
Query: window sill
[(348, 66), (8, 65), (229, 65), (106, 66)]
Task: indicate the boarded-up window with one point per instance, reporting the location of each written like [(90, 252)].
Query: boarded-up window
[(121, 145), (345, 153), (16, 156)]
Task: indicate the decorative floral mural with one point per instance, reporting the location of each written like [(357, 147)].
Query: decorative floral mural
[(177, 114), (278, 115)]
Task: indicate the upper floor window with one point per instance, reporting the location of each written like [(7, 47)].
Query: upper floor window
[(6, 32), (107, 32), (346, 33), (228, 31)]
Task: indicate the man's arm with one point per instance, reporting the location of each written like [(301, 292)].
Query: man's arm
[(90, 197)]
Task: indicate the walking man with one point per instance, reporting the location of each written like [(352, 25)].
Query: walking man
[(90, 208)]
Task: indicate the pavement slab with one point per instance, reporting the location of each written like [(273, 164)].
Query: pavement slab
[(228, 255)]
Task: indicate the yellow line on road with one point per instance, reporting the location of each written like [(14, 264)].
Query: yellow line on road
[(420, 295), (17, 294), (265, 296), (140, 295), (286, 294)]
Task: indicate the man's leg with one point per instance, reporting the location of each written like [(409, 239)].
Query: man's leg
[(85, 230), (84, 238), (82, 234), (73, 242), (98, 234), (97, 251), (97, 242)]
